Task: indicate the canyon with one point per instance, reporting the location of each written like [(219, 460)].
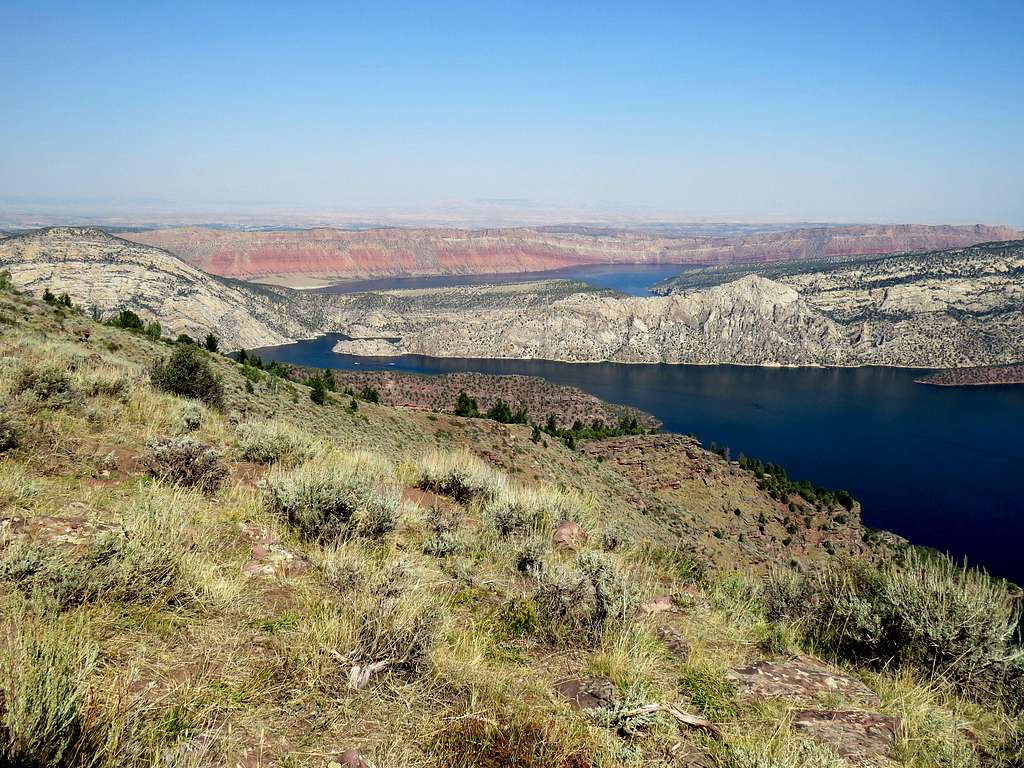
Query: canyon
[(303, 258), (951, 308)]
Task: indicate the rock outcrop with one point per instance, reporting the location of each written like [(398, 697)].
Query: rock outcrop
[(752, 320), (104, 274), (337, 253), (956, 308)]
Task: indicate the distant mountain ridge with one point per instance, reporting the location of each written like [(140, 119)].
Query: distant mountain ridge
[(950, 308), (345, 254)]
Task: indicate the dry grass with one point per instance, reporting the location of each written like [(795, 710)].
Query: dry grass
[(166, 653)]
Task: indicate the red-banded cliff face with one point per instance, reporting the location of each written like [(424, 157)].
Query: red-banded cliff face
[(396, 252)]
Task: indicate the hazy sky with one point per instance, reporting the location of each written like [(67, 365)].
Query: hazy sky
[(805, 111)]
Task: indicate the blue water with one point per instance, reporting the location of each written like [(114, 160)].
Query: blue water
[(937, 465), (634, 279)]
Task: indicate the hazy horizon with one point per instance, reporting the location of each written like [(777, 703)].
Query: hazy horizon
[(497, 114)]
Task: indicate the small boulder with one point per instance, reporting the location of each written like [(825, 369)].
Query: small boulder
[(350, 758), (569, 535), (270, 558), (658, 604), (861, 738), (587, 692), (674, 642)]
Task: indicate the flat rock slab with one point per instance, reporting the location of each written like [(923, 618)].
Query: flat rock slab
[(861, 738), (801, 678), (587, 692), (55, 531)]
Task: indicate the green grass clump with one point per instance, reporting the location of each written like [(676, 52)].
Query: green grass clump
[(460, 475), (48, 718), (266, 442), (709, 692), (112, 569), (187, 372), (335, 497)]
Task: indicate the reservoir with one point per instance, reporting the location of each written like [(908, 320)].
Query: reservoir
[(935, 464)]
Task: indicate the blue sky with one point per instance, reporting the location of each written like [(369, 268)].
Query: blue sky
[(830, 111)]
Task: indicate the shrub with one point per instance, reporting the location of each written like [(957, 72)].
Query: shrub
[(112, 569), (8, 433), (784, 593), (519, 508), (187, 373), (128, 320), (5, 281), (266, 442), (211, 342), (154, 330), (334, 498), (581, 601), (517, 617), (48, 384), (370, 395), (192, 416), (48, 718), (186, 462), (614, 536), (317, 390), (466, 406), (443, 544), (460, 475), (399, 629), (531, 558), (926, 612)]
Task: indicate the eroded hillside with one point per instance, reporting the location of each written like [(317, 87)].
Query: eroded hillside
[(335, 253)]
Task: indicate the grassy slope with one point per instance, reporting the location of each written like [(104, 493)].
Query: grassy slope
[(214, 667)]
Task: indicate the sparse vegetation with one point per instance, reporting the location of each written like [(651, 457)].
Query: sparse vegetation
[(400, 576)]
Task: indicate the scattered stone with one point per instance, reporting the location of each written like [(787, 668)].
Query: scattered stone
[(658, 604), (803, 678), (569, 535), (588, 692), (56, 531), (350, 758), (271, 558), (674, 642), (861, 738)]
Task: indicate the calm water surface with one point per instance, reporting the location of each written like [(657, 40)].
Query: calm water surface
[(937, 465)]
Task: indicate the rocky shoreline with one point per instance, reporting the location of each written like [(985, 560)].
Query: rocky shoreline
[(982, 376)]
